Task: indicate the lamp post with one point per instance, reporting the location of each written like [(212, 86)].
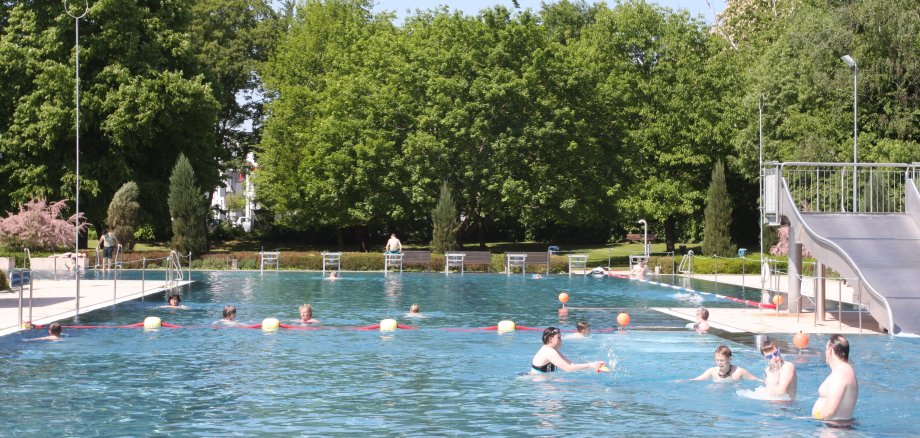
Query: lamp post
[(76, 227), (852, 63), (644, 237), (760, 178)]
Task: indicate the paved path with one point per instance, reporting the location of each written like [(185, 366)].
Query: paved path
[(757, 321), (55, 300)]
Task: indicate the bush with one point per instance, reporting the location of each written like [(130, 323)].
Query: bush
[(4, 283), (122, 213), (39, 226), (188, 209), (144, 233)]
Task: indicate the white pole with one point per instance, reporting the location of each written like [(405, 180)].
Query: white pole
[(76, 228), (760, 177)]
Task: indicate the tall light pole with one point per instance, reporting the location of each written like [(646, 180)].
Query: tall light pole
[(760, 178), (852, 63), (644, 237), (76, 226)]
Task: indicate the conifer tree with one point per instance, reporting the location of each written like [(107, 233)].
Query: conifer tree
[(187, 208), (445, 223), (122, 213), (718, 217)]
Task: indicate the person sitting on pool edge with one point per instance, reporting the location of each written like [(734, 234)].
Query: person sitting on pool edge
[(394, 246), (582, 331), (780, 376), (306, 314), (54, 333), (724, 371), (549, 359)]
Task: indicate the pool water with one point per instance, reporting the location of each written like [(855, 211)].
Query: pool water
[(446, 378)]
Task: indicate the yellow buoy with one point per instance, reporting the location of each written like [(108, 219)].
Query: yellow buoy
[(152, 322), (506, 326), (271, 324), (388, 325)]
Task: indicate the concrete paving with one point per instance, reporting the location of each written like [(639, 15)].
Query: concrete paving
[(756, 321), (55, 300)]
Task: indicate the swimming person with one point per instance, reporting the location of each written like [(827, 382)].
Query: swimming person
[(781, 378), (702, 320), (724, 371), (333, 275), (306, 314), (549, 359), (582, 331), (229, 314), (54, 333), (173, 302), (837, 395), (394, 246), (638, 270)]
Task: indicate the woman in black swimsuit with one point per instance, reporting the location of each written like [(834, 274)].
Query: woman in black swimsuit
[(549, 359)]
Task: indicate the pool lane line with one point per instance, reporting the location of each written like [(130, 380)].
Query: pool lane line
[(687, 289)]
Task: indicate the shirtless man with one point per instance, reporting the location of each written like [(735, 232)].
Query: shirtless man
[(582, 331), (837, 395), (394, 246), (54, 333), (638, 270), (781, 378), (724, 371), (702, 320)]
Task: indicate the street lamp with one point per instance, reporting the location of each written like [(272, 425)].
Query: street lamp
[(852, 63), (76, 226), (644, 237)]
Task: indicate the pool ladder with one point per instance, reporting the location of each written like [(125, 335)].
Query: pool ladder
[(686, 264)]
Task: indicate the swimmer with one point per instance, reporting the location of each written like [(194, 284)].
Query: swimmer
[(583, 330), (724, 371), (780, 376), (549, 359), (638, 270), (702, 320), (415, 311), (537, 277), (333, 275), (54, 333), (837, 395), (173, 302), (229, 315), (306, 314)]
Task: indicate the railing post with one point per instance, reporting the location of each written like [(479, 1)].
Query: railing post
[(143, 275)]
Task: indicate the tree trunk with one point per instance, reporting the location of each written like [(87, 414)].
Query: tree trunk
[(340, 238), (669, 233), (481, 229)]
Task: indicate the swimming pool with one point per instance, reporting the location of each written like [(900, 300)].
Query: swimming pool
[(206, 381)]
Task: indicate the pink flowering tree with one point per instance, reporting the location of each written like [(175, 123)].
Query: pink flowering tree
[(39, 226), (782, 247)]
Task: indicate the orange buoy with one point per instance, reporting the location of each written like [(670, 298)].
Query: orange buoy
[(623, 319), (564, 298), (778, 299), (800, 340)]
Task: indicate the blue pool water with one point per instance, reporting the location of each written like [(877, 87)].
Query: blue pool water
[(205, 380)]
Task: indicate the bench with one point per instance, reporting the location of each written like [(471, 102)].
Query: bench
[(421, 258), (533, 259), (638, 237)]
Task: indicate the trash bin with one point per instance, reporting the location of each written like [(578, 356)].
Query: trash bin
[(553, 249), (682, 249), (742, 252)]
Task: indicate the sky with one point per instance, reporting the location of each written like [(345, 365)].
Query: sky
[(470, 7)]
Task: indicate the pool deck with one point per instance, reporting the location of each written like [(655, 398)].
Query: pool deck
[(55, 300), (756, 321)]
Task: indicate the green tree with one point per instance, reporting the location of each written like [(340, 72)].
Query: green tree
[(122, 213), (143, 99), (187, 208), (445, 222), (717, 239)]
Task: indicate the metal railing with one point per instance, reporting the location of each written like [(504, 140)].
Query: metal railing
[(686, 264), (841, 187)]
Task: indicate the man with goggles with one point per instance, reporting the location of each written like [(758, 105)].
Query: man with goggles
[(781, 379)]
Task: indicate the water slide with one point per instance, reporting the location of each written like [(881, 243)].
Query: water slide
[(882, 250)]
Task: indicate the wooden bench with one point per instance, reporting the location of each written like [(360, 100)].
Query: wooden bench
[(638, 237), (419, 258)]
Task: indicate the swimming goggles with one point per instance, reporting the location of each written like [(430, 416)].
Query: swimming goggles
[(770, 356)]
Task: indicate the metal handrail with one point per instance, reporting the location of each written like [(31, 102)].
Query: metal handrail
[(686, 263)]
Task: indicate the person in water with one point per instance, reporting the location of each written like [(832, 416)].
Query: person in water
[(724, 371), (306, 314), (780, 376), (702, 320), (229, 314), (173, 302), (582, 331), (837, 395), (54, 333), (549, 359)]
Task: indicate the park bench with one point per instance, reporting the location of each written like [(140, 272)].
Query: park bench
[(638, 237), (418, 258)]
